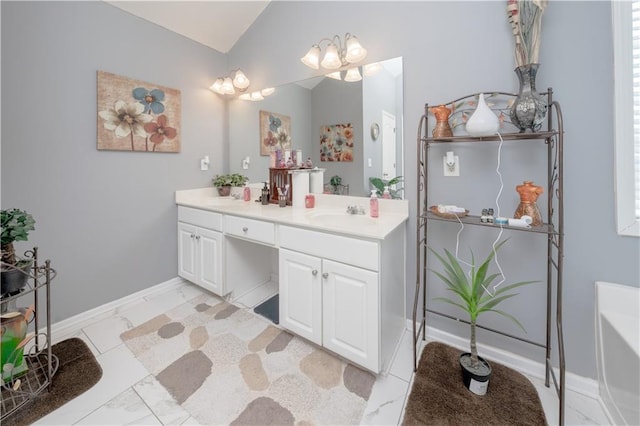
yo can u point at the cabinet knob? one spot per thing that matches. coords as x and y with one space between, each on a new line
325 275
245 229
198 237
314 272
193 235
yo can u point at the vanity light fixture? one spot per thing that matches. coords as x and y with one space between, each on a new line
336 54
353 75
371 69
258 95
228 85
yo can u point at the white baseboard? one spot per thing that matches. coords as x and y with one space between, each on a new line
75 323
526 366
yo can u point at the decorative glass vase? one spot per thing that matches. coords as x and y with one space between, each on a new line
529 108
483 121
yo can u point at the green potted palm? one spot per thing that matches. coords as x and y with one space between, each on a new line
225 182
16 225
381 184
474 299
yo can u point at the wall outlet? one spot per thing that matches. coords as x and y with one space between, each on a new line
451 170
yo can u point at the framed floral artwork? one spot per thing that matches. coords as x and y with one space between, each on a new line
275 132
135 115
336 142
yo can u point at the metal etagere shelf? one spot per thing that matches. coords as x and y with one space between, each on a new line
552 135
19 390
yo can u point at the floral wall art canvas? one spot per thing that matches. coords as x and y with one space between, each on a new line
275 132
135 115
336 142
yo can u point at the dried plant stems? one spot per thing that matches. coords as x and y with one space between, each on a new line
525 17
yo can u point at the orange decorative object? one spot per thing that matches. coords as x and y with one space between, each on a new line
529 193
442 129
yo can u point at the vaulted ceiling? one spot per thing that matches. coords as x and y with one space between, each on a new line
217 24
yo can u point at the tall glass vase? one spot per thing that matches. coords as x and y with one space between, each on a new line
529 108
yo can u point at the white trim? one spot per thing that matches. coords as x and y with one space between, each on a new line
624 168
526 366
75 323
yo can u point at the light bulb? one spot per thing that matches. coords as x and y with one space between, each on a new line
331 59
353 75
371 69
227 86
355 51
217 86
312 57
240 80
268 91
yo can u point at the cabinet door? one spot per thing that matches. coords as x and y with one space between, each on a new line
350 313
301 294
210 260
187 251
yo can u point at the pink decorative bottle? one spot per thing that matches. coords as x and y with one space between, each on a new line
373 204
246 194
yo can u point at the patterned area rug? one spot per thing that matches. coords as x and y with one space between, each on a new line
226 365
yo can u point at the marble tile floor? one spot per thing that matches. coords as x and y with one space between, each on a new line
128 394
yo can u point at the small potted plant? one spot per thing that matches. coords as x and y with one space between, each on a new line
474 299
16 225
225 182
380 184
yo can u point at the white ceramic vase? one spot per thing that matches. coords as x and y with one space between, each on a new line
483 121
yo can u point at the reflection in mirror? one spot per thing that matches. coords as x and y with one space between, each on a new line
318 109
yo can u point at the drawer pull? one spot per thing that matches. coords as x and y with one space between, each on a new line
325 275
245 229
314 272
198 237
193 235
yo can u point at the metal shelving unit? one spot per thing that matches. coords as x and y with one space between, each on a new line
552 135
42 364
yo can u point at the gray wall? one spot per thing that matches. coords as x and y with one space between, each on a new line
107 220
450 49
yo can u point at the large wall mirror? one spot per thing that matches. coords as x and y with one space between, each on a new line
372 106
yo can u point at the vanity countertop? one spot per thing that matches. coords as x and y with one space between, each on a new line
330 212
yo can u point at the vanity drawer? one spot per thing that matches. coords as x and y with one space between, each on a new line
202 218
353 251
256 230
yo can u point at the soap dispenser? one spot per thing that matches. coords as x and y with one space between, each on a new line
264 197
386 193
373 204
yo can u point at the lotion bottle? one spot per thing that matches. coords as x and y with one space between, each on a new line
373 204
385 193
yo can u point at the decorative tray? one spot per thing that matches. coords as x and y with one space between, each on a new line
434 210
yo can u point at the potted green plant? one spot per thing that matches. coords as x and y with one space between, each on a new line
225 182
380 184
474 299
16 225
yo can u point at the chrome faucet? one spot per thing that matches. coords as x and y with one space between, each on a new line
355 209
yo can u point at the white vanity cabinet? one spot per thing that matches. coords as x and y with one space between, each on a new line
329 302
200 248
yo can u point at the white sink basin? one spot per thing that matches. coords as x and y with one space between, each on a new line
339 218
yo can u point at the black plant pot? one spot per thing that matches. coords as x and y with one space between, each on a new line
475 379
15 278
